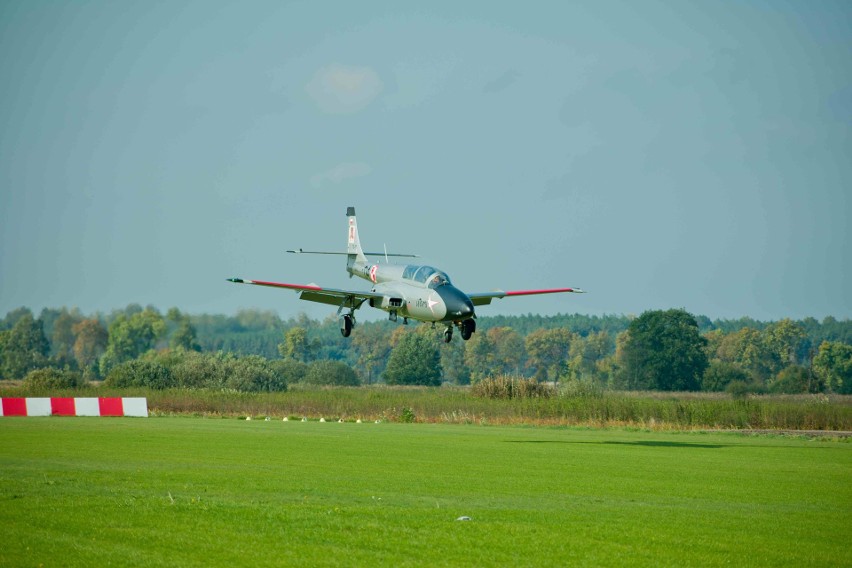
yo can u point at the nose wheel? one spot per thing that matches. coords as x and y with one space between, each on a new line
448 334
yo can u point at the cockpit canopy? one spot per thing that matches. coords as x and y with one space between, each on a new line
428 275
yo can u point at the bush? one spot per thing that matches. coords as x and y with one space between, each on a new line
720 374
290 370
90 374
506 386
193 370
140 373
795 379
254 373
331 373
739 389
50 378
577 388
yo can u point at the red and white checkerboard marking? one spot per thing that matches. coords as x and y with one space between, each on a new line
125 406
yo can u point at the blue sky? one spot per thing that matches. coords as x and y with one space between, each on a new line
657 154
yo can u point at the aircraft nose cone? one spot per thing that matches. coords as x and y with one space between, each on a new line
458 304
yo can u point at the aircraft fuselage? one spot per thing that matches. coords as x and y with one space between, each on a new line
414 291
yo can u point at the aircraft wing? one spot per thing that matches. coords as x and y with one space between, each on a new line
313 293
484 298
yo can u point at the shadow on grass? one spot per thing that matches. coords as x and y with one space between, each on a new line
656 444
650 443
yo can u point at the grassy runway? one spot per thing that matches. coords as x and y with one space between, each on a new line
215 492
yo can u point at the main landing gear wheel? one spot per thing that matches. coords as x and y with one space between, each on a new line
467 328
346 323
448 335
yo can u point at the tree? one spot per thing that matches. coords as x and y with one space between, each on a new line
606 370
414 360
455 370
748 349
13 316
297 345
62 337
628 365
90 342
174 315
372 344
787 340
184 337
259 320
48 317
548 351
130 337
4 338
714 341
588 354
509 350
24 348
833 365
664 350
479 357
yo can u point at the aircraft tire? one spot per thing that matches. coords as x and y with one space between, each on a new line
346 325
467 328
448 335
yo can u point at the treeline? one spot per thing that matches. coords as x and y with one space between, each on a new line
258 351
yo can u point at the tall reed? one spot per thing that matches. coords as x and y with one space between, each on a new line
458 404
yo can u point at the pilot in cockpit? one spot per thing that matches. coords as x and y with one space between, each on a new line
439 279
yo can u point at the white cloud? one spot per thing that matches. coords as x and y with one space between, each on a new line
341 172
338 89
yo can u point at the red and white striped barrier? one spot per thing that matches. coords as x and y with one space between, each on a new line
74 407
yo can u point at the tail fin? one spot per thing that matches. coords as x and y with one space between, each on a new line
355 255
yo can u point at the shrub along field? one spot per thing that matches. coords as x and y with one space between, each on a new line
201 492
535 406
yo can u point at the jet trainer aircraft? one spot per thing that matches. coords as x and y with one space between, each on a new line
410 291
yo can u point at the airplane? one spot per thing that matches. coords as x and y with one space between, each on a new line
410 291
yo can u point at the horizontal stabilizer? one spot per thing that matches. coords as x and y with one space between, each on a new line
300 251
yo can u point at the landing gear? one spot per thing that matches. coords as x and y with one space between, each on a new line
468 326
347 321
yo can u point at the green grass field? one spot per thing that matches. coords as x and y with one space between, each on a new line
224 492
